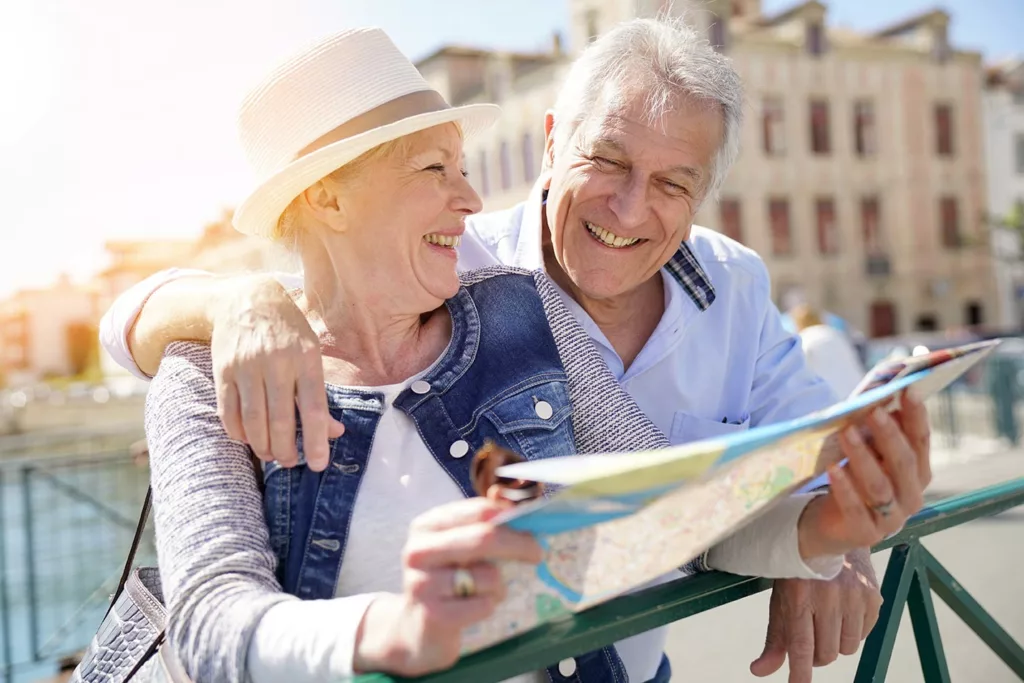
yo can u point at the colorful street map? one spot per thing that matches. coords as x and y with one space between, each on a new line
614 523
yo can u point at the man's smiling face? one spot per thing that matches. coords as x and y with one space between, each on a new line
624 190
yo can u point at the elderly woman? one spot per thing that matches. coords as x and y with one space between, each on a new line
377 559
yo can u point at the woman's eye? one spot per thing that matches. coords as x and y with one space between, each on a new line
436 167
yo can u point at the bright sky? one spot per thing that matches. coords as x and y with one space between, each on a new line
117 116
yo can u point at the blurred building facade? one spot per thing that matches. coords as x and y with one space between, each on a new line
861 179
1004 138
47 332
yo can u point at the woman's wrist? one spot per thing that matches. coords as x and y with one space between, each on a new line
378 645
812 540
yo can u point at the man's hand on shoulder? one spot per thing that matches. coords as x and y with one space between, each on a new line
813 622
266 359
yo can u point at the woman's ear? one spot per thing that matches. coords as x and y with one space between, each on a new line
321 199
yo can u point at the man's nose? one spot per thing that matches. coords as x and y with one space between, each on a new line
630 202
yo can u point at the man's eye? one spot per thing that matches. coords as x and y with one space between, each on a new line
603 161
676 189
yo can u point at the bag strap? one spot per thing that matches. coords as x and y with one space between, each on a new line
140 528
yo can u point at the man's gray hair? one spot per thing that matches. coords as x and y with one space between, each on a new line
670 60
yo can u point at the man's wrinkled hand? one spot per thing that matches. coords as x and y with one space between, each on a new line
266 359
812 622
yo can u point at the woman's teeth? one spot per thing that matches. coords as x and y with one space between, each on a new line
444 240
609 238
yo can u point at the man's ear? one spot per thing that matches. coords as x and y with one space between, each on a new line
549 139
322 202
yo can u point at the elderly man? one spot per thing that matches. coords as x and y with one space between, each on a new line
643 133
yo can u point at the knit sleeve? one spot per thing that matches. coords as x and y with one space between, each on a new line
604 417
213 546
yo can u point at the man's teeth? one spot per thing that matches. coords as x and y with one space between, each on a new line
444 240
609 238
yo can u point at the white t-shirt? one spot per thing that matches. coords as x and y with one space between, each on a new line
832 356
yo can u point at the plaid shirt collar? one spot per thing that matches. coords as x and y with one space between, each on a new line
683 266
688 272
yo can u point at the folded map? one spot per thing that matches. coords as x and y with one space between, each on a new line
615 522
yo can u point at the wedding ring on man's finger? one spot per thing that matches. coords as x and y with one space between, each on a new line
463 584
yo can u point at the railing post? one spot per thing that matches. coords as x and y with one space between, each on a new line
5 605
1002 380
30 561
926 628
874 662
949 410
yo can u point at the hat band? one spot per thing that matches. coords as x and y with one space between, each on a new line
402 107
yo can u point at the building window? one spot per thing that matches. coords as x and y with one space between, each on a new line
716 34
828 236
484 185
773 127
820 142
1020 153
529 167
944 129
505 168
731 220
950 222
883 319
941 51
815 38
591 22
864 128
870 226
927 322
778 218
974 314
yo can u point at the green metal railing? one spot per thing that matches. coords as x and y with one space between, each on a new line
912 574
65 524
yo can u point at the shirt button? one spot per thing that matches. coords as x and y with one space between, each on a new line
459 449
420 387
544 410
567 667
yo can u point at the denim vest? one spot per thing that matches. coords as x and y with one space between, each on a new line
501 362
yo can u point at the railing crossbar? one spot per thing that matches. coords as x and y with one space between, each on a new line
973 614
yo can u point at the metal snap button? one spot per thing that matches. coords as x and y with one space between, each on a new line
567 667
544 410
420 387
459 449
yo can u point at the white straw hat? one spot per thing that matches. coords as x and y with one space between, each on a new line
326 106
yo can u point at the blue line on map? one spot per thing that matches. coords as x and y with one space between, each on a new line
545 575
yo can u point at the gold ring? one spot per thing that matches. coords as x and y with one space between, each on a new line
463 584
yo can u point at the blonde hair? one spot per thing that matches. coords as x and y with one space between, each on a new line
286 231
804 316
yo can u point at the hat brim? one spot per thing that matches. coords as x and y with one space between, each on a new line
259 213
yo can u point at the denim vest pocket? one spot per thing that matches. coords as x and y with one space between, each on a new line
535 421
